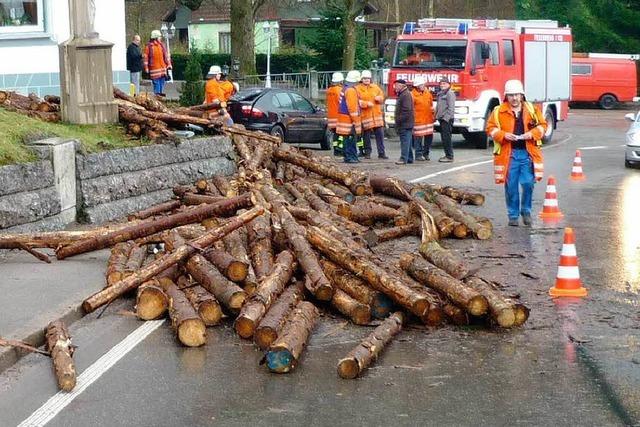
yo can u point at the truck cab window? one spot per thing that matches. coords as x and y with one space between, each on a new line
478 59
430 54
507 47
494 53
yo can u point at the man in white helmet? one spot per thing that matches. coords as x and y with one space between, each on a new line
214 92
371 100
349 125
333 101
157 62
517 128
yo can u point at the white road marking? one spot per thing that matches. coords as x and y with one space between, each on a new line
59 401
597 147
457 168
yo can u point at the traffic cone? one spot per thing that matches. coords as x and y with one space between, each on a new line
550 209
568 278
576 170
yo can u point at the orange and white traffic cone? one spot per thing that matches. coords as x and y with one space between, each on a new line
576 170
550 208
568 282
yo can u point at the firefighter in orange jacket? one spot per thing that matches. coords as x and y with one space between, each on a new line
349 125
423 124
333 101
371 99
213 91
517 128
157 62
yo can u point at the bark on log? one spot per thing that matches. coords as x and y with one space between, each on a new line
463 197
376 276
279 174
502 311
390 186
198 199
271 324
397 232
340 206
49 239
151 226
431 276
190 328
222 184
166 261
117 261
450 208
298 197
357 288
150 102
236 247
136 258
240 144
59 345
239 130
151 300
54 99
158 209
370 348
233 268
202 301
259 242
131 115
455 314
266 293
340 191
444 223
360 314
365 212
444 259
284 353
387 201
318 284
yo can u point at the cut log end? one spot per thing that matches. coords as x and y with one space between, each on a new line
280 360
264 337
506 318
361 315
434 317
152 303
192 332
237 300
324 292
245 327
348 368
237 271
483 233
210 313
521 314
478 305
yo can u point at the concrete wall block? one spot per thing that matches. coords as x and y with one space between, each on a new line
25 177
141 158
106 189
50 223
20 208
121 208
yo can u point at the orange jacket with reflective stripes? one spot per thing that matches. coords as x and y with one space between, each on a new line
348 111
423 112
213 91
227 89
501 121
156 60
333 101
371 99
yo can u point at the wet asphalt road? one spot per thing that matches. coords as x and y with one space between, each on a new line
573 363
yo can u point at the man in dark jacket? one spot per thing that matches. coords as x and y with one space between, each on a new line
445 107
404 118
134 62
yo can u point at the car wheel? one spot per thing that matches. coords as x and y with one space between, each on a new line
327 140
278 131
628 164
550 118
608 102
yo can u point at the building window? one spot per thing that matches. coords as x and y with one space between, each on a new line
17 16
224 42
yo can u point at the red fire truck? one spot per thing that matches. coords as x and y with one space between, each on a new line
478 57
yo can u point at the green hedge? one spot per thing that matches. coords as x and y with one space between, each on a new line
280 63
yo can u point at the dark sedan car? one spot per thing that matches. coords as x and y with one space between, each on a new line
280 112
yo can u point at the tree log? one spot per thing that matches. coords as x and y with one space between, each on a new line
59 345
240 144
365 212
444 259
444 224
151 226
318 283
299 199
450 208
376 276
340 191
358 289
165 261
387 201
54 99
234 269
156 210
340 206
202 301
198 199
189 327
284 353
460 231
259 242
150 102
279 174
136 258
502 311
397 232
431 276
455 314
151 299
117 261
390 186
360 314
463 197
271 324
222 184
236 247
370 348
265 294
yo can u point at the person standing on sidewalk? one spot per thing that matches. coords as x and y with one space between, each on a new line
349 125
423 127
371 99
517 128
157 62
445 107
134 62
333 101
404 120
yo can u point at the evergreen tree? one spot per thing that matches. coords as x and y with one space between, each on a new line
193 87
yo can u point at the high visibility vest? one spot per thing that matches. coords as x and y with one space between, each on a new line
227 89
156 60
213 91
423 112
348 111
502 121
333 99
371 107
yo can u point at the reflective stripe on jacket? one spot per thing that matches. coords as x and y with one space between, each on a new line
156 60
371 107
423 110
348 111
333 100
501 121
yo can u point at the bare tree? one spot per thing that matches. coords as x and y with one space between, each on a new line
243 19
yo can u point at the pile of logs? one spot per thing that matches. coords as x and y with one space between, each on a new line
288 237
47 109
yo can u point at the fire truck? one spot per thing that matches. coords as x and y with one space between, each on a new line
478 57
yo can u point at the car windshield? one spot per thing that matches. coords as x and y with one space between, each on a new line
247 94
431 54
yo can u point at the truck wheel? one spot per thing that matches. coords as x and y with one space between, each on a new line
608 102
550 118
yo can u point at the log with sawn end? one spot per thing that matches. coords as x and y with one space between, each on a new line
151 300
156 210
117 261
370 348
452 209
59 345
189 327
284 353
359 313
502 311
202 301
274 319
260 248
233 268
198 199
386 234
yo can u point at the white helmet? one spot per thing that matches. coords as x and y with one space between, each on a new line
353 76
366 74
512 87
337 77
214 69
418 80
156 34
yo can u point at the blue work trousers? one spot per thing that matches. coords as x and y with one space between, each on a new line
158 85
379 134
422 145
520 174
406 142
350 150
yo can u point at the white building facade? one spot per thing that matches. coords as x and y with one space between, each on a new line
30 32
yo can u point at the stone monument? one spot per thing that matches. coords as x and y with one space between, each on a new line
86 79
